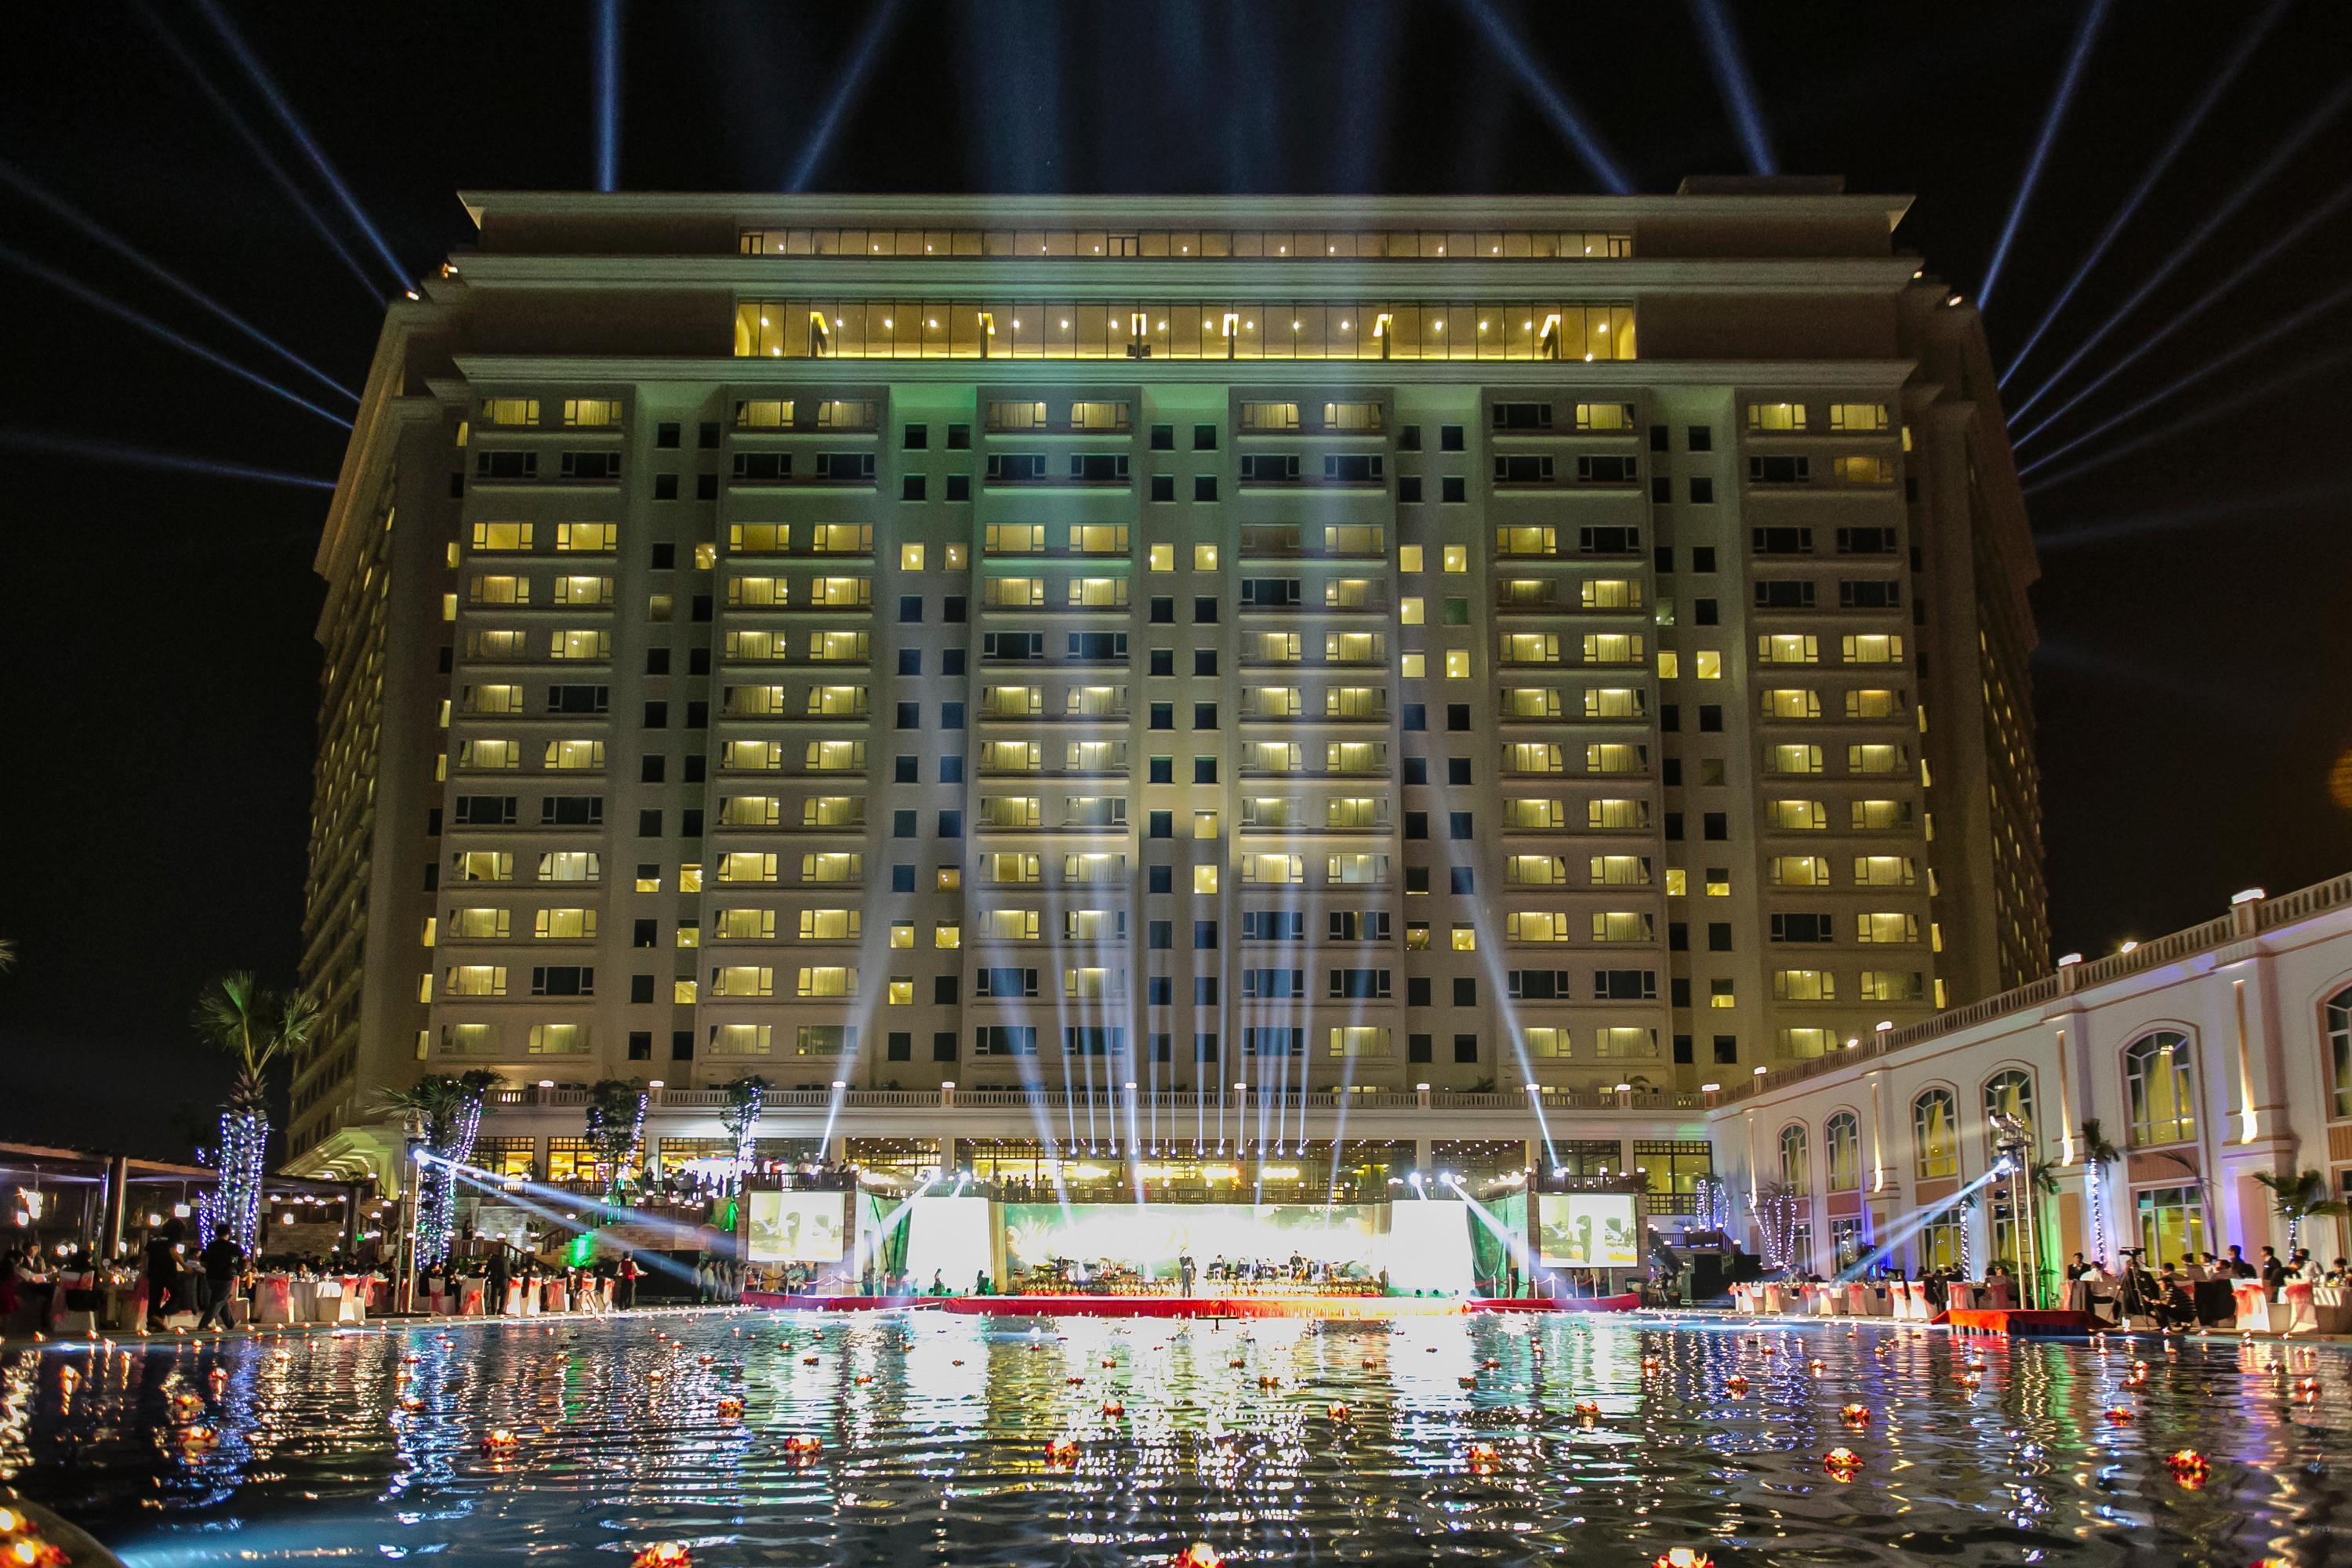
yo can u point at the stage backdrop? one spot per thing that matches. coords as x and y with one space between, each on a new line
1588 1230
796 1227
1424 1245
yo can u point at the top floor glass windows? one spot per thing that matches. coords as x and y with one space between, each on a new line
1210 244
1182 330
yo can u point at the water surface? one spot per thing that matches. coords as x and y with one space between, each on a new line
934 1431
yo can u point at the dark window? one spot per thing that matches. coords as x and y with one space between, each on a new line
1715 824
1163 487
910 487
1465 1047
1417 1048
1727 1050
1204 438
1163 438
1453 490
641 1045
1204 487
918 437
665 437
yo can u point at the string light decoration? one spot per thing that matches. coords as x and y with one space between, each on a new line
1711 1203
742 1120
1775 1209
616 1130
234 1205
448 1113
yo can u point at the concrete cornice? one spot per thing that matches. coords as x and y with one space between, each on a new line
752 210
517 369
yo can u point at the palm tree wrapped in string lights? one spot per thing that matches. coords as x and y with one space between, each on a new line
742 1120
2097 1156
450 1112
615 1128
254 1026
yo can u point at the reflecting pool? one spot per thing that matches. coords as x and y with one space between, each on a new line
1471 1439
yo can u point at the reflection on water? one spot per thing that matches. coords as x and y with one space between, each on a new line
933 1433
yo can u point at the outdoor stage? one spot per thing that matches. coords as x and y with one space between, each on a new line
1347 1307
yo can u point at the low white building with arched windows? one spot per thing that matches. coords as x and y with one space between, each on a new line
2199 1061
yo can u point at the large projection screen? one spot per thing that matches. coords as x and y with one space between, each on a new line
1588 1230
796 1227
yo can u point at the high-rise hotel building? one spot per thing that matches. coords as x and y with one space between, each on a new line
1186 643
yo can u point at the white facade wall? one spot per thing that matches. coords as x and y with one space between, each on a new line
2251 992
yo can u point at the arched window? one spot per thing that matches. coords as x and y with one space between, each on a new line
2156 1076
2009 1093
2339 1050
1935 1118
1795 1157
1841 1134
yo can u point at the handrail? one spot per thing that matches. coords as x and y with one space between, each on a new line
2258 913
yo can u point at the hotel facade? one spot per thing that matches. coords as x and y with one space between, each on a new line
1328 683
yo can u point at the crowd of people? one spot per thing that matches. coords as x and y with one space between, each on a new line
2201 1289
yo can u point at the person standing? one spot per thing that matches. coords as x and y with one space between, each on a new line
1184 1271
495 1303
163 1296
626 1290
223 1261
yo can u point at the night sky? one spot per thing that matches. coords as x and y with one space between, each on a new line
2192 687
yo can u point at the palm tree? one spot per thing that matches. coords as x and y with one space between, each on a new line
741 1119
254 1027
2097 1156
616 1125
449 1112
2297 1197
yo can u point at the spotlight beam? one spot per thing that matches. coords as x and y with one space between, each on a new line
33 191
1729 62
48 444
302 137
2084 36
879 28
2277 329
608 94
2206 414
99 302
2186 128
2196 308
1552 98
269 163
2100 529
2328 110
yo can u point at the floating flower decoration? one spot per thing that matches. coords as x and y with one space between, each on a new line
1236 1362
1468 1381
808 1361
729 1407
1200 1554
1653 1362
32 1551
1110 1361
499 1443
957 1362
1482 1457
1268 1380
1855 1414
1842 1462
664 1554
1816 1366
2188 1467
1061 1451
1490 1364
198 1437
2308 1387
864 1378
802 1446
2119 1414
1770 1350
1114 1405
186 1403
1970 1379
1336 1411
414 1402
1682 1557
1587 1411
1735 1384
1074 1380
